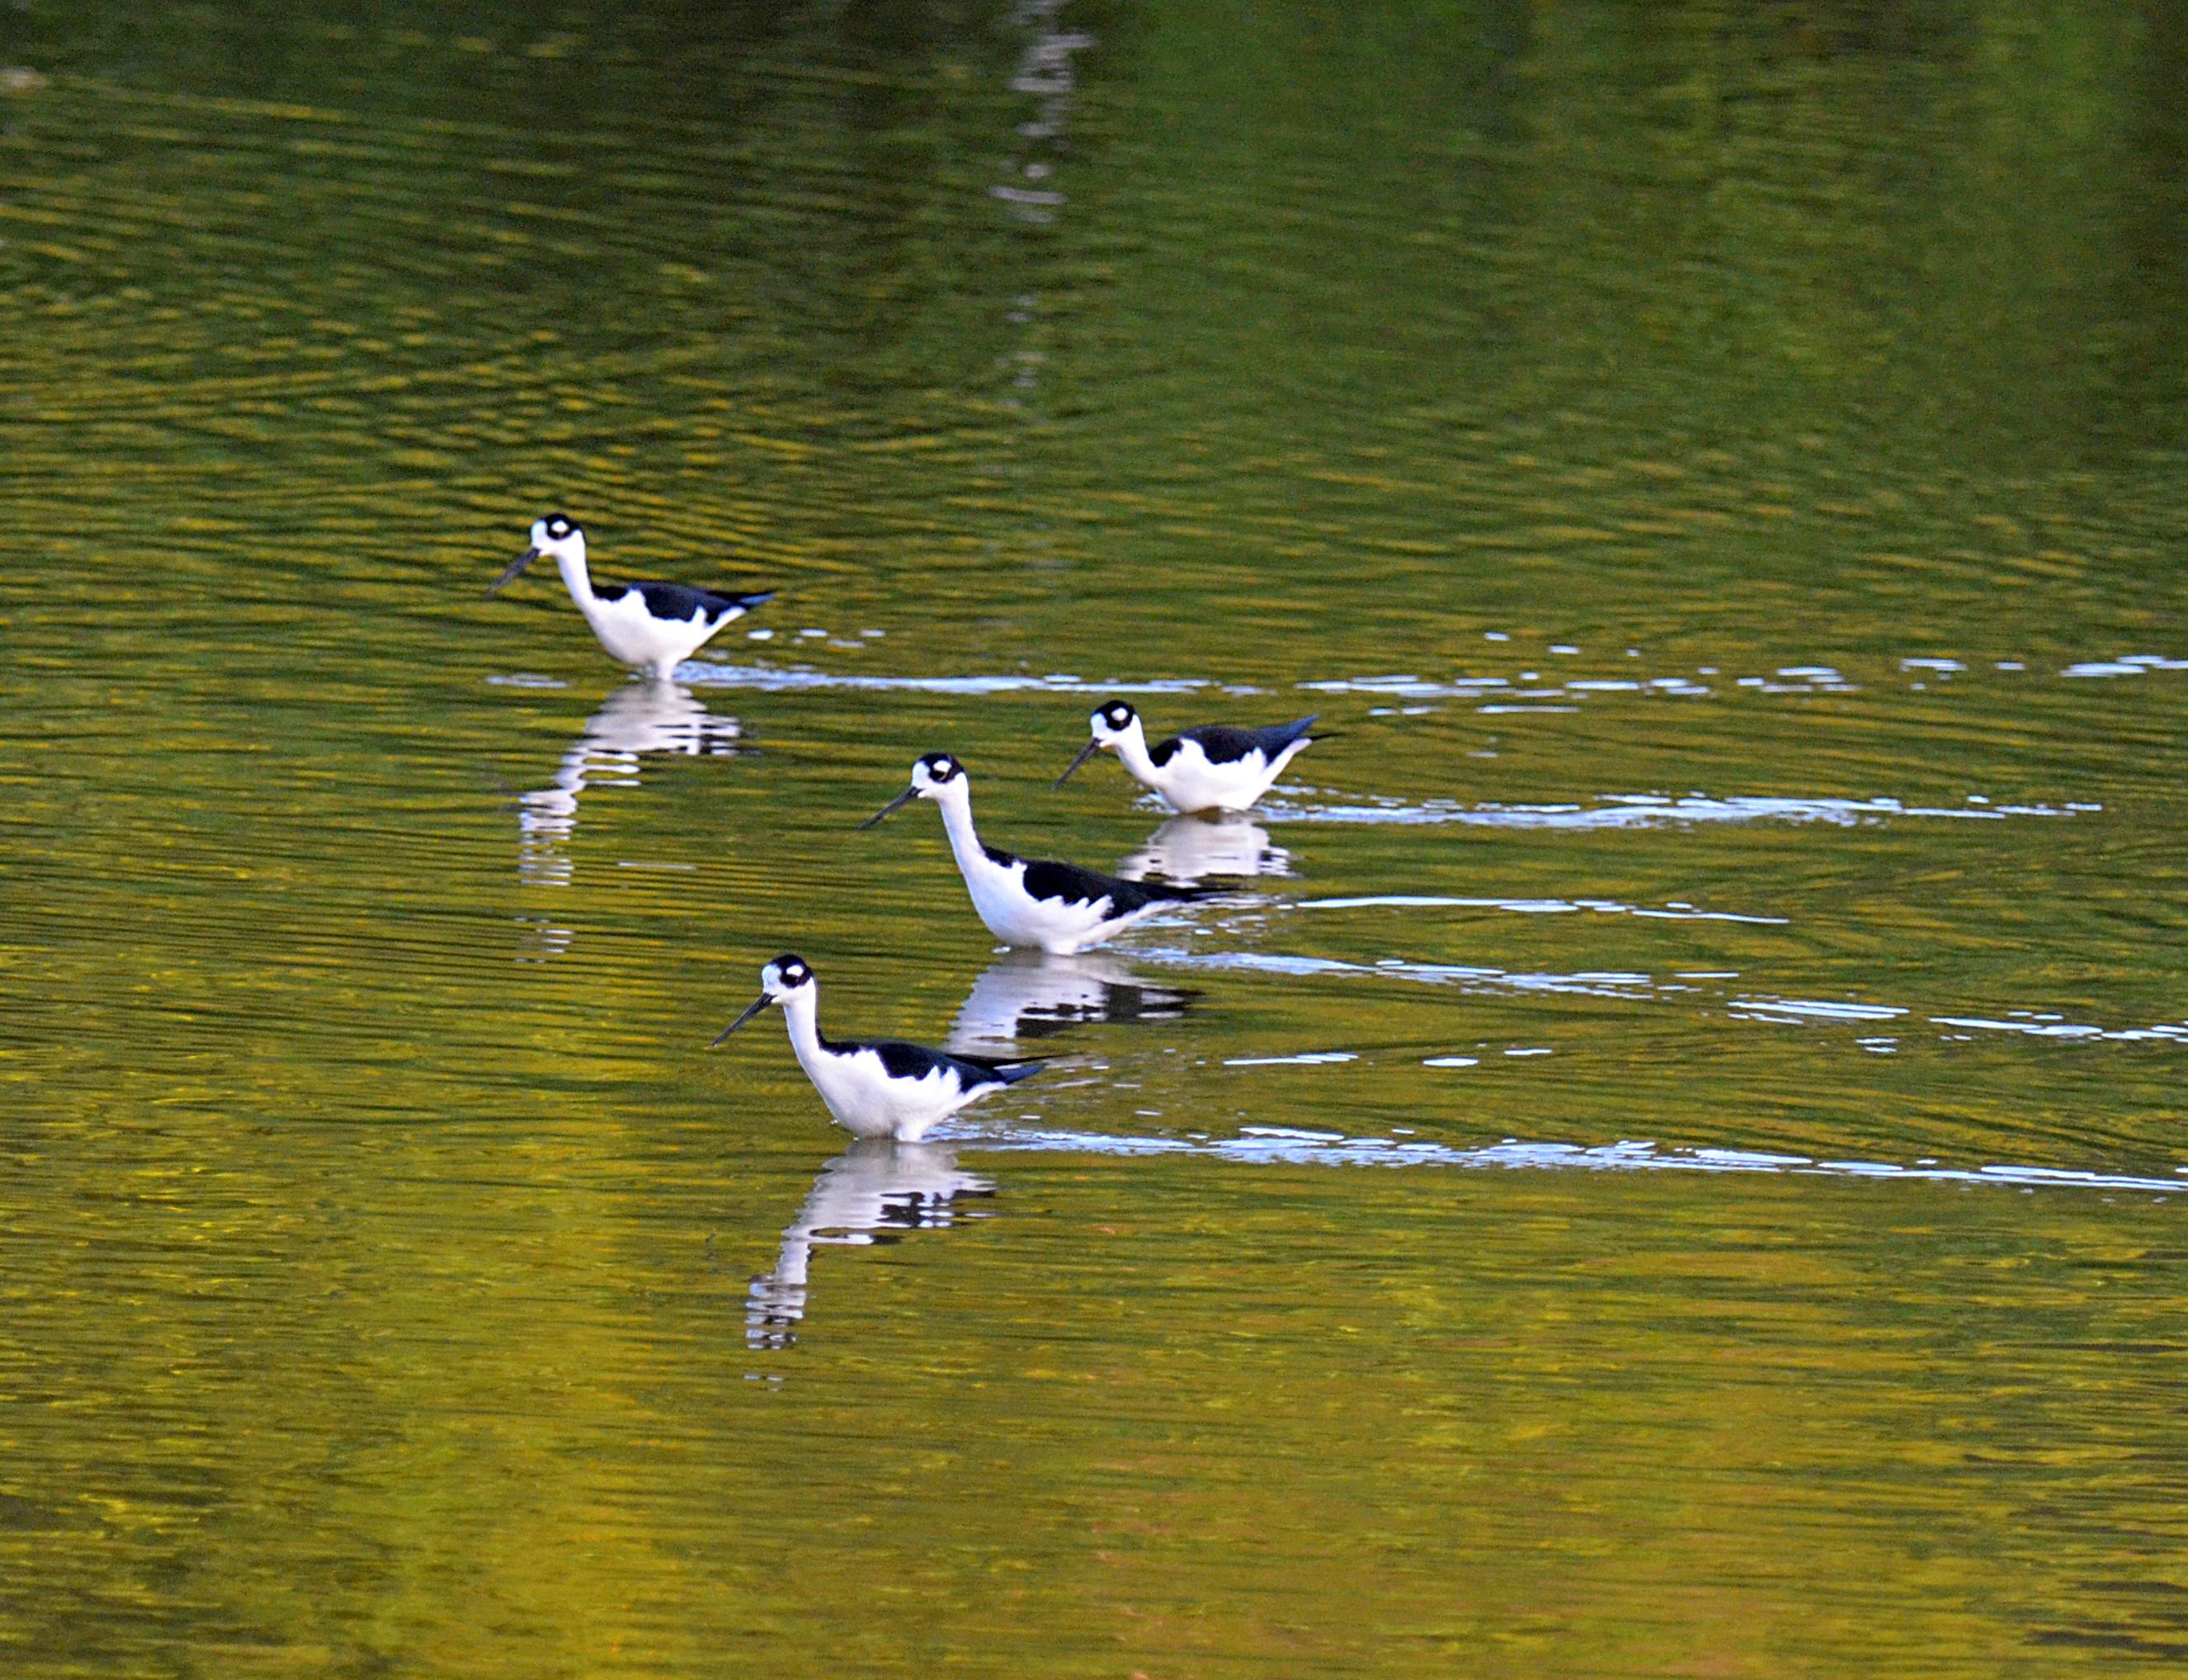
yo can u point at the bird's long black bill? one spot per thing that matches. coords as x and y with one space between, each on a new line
758 1004
1084 753
516 570
891 809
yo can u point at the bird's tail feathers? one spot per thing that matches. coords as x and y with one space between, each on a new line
1181 894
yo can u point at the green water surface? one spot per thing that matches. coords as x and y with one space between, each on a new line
1665 1164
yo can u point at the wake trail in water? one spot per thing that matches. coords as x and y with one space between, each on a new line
1289 1146
1627 984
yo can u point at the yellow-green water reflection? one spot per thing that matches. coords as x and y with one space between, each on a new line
1721 478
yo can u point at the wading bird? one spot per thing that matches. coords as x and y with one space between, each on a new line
1212 768
884 1089
658 626
1057 907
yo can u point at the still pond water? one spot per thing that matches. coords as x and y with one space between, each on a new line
1665 1164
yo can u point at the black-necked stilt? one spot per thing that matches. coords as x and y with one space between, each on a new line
1213 768
1057 907
884 1089
870 1193
658 626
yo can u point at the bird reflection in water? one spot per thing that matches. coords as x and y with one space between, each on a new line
874 1192
1032 994
636 719
1188 849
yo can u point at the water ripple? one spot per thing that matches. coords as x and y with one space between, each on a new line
1289 1146
1610 983
1672 912
771 679
2126 665
1646 810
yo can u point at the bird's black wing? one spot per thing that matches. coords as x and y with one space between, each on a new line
1010 1070
1223 745
904 1061
1076 886
680 601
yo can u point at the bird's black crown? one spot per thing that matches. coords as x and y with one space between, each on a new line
560 525
790 969
1117 715
941 767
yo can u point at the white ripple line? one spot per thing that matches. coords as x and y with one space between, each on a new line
1649 811
1265 1145
1533 907
1610 983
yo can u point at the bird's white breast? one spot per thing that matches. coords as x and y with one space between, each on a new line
1015 916
869 1103
630 634
1189 782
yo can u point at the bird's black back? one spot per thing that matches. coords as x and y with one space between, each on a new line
680 601
1076 886
901 1060
1009 1069
1224 745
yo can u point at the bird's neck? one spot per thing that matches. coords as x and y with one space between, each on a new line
575 577
1133 753
801 1014
964 842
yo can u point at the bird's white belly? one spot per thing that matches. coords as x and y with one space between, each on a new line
868 1103
1204 787
1190 783
1016 918
632 637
